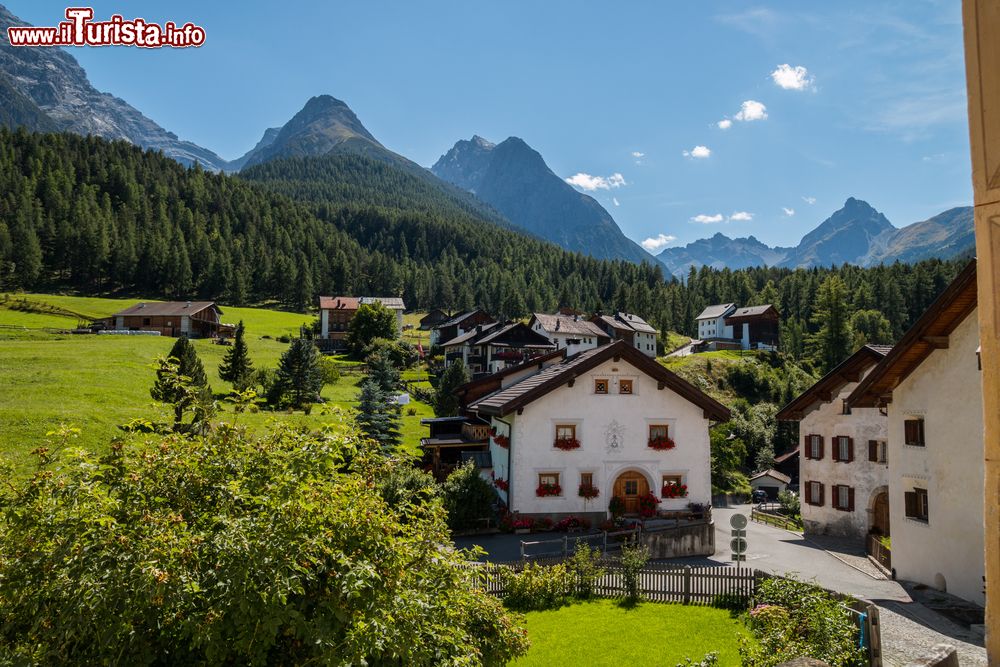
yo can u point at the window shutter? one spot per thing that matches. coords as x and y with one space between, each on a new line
850 450
920 432
820 501
873 450
820 453
850 498
809 495
807 446
910 498
835 448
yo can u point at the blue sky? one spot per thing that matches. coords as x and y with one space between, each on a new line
878 112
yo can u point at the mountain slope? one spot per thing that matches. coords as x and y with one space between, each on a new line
846 236
270 134
946 235
719 252
514 179
54 82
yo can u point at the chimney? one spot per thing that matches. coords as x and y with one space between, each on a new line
187 305
558 323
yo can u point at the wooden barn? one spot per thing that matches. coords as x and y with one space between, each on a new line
195 319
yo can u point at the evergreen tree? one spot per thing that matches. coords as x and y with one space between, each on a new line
832 342
188 363
378 415
871 326
236 367
299 378
383 372
445 396
181 390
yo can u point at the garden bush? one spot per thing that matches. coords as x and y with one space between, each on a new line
467 497
584 569
792 619
538 587
634 558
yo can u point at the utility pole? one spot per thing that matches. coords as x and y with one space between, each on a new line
982 63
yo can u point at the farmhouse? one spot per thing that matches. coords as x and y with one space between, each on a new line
630 328
569 433
572 332
930 385
489 348
724 326
195 319
336 312
459 324
432 319
843 468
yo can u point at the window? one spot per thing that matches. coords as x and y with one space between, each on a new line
548 479
565 431
600 386
658 431
814 446
843 449
877 451
624 386
913 432
843 498
587 480
145 321
916 504
631 487
814 493
845 408
672 479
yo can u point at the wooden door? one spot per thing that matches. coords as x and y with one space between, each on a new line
631 486
880 514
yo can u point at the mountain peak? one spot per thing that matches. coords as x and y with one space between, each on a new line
483 143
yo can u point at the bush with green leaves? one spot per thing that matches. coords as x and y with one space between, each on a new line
793 619
710 660
401 353
790 504
370 321
235 549
634 558
538 587
468 497
584 568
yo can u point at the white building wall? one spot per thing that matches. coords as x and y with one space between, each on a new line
324 323
866 477
714 328
587 341
595 415
645 343
946 551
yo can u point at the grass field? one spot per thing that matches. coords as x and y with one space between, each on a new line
606 633
96 383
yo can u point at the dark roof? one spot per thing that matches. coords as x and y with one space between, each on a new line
540 340
929 333
168 308
470 334
535 386
635 322
568 324
718 310
826 388
781 477
511 370
461 317
751 313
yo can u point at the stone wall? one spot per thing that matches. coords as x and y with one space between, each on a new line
681 542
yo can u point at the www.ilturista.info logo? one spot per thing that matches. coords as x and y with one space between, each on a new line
81 30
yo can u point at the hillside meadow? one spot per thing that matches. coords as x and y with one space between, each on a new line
95 383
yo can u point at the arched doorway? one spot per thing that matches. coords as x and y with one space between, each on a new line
630 486
880 513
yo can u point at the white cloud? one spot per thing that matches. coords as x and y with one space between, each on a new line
741 216
751 110
725 124
788 211
708 219
591 183
654 243
614 200
809 200
792 78
698 152
638 154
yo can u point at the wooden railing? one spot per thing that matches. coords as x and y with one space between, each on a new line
880 552
764 514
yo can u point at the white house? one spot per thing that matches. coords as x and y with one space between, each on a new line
931 386
570 332
843 467
490 348
630 328
712 322
771 482
610 420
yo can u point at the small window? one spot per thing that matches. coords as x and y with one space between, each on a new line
843 498
814 446
814 493
669 480
587 480
877 451
566 432
624 386
916 504
600 386
631 487
913 432
658 431
548 479
145 321
845 408
843 449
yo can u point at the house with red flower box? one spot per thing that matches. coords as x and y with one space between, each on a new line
571 432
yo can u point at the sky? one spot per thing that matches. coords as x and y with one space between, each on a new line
682 118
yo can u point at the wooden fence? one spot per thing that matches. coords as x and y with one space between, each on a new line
880 552
773 519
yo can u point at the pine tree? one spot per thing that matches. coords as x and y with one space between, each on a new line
445 397
236 367
382 371
834 339
181 380
188 363
300 376
378 416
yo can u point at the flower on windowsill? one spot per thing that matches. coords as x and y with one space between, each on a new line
548 490
501 484
502 441
661 442
647 505
589 491
674 491
566 443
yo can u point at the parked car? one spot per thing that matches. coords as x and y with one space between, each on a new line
759 496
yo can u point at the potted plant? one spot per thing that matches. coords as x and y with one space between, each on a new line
647 505
661 442
672 490
544 490
566 443
588 491
502 440
523 526
501 484
617 507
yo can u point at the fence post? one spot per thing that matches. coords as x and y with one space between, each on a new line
522 549
565 545
687 584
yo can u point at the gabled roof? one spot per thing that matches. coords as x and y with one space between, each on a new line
568 324
461 317
781 477
338 303
718 310
635 322
496 335
826 388
168 308
470 334
613 322
778 460
390 302
929 333
749 313
535 386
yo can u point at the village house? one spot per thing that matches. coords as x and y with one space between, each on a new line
570 332
460 324
194 319
771 482
336 313
569 433
630 328
433 319
931 386
492 347
724 326
843 467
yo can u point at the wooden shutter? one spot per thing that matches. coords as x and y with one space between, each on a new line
835 448
808 446
850 498
910 503
850 449
873 450
821 443
920 432
809 495
820 501
909 433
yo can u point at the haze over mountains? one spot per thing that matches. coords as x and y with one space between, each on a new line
46 90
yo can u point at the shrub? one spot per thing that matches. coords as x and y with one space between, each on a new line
400 353
467 497
584 569
794 618
790 504
616 506
571 522
647 505
538 587
634 558
710 660
329 370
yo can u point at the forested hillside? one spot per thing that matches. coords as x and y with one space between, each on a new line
98 217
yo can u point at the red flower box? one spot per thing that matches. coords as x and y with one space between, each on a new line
502 441
501 484
674 491
647 505
660 443
548 490
566 443
589 491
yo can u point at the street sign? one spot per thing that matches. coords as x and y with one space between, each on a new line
738 557
738 521
738 545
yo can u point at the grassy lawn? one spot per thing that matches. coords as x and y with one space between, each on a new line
675 340
605 633
96 383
